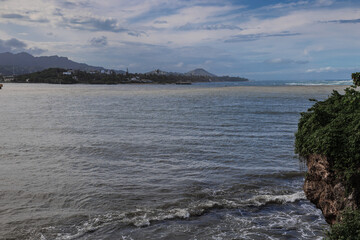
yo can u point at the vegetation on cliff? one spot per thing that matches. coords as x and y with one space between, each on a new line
332 128
348 228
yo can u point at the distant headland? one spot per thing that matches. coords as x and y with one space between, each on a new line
66 76
23 67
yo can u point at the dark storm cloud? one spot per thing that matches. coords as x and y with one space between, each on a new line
15 45
13 16
11 45
95 24
353 21
136 33
99 42
23 17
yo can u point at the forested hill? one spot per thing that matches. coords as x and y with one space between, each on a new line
64 76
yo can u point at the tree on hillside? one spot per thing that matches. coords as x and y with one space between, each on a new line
356 78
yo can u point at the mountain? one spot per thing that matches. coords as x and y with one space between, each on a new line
200 72
22 63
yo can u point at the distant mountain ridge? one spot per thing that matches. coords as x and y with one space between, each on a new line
22 63
25 63
200 72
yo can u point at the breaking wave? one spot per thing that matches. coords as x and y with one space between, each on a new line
145 217
321 83
279 199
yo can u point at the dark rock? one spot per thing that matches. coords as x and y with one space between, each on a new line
325 190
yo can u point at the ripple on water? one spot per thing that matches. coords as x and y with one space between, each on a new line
153 162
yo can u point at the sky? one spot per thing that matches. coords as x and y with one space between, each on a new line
257 39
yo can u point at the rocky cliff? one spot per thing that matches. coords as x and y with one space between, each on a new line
328 137
323 188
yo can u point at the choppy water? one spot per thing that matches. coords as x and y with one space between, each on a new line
153 162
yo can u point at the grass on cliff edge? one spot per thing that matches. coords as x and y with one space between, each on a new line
332 128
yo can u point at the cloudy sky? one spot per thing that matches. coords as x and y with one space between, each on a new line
258 39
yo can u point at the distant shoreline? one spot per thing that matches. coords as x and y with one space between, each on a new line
212 85
65 76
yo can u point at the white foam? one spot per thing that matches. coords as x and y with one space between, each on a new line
340 82
180 213
260 200
126 238
144 217
142 221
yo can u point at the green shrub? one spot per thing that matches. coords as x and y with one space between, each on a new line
356 78
347 229
332 128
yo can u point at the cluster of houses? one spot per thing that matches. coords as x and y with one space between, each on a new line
8 78
135 79
103 71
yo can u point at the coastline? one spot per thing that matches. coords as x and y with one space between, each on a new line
196 87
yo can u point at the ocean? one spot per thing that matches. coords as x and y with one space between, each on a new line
202 161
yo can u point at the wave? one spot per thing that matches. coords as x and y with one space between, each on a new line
145 217
261 200
321 83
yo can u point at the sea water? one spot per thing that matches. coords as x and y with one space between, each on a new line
202 161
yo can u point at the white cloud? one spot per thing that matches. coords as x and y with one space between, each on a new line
288 5
285 61
321 70
329 69
183 33
196 14
308 50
